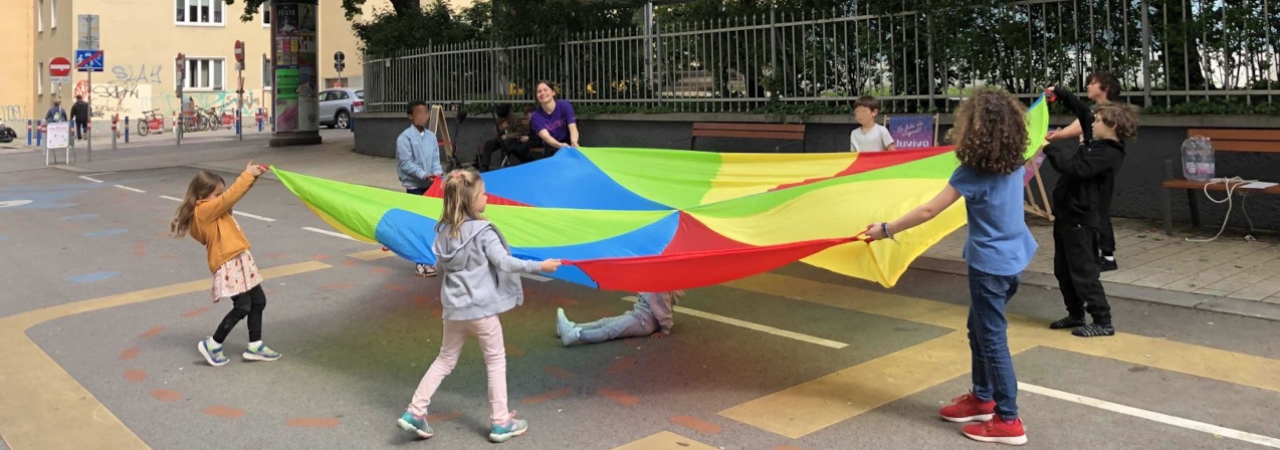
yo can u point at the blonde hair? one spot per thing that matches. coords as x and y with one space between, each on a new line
460 189
202 185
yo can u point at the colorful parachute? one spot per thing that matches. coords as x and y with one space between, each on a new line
655 220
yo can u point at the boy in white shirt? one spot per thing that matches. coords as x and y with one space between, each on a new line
870 137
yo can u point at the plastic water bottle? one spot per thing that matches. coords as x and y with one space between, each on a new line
1197 159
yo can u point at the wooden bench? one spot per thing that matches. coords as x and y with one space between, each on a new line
1224 141
748 131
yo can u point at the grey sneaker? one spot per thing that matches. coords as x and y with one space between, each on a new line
211 353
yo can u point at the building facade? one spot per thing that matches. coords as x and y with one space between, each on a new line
141 40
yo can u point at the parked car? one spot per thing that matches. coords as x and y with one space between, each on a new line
337 106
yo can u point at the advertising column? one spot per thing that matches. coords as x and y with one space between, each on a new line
296 107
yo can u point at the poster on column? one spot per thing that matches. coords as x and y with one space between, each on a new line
297 98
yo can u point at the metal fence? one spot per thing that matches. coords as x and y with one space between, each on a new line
1165 52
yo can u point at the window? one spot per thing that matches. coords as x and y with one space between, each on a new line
40 16
40 79
204 74
53 13
198 12
266 72
266 14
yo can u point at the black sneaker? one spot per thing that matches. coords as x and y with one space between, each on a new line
1094 330
1067 322
1108 264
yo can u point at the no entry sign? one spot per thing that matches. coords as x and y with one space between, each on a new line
60 70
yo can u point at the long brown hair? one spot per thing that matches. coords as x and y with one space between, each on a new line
991 132
460 189
202 185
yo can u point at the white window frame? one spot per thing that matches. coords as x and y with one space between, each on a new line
264 13
268 75
191 76
53 14
186 13
40 17
40 79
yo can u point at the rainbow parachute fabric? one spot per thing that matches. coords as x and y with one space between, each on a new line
657 220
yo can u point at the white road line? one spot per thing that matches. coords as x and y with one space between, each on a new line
535 277
88 178
176 199
317 230
127 188
267 219
754 326
1153 416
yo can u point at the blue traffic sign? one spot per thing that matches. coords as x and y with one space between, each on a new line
89 60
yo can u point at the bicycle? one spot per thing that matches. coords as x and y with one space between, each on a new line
150 120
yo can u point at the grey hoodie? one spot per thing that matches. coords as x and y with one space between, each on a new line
657 309
480 277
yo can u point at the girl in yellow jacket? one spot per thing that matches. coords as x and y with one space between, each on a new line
206 215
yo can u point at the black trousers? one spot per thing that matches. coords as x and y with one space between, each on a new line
513 147
81 129
1106 235
1075 264
251 304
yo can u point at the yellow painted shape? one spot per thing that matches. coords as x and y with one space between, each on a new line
816 404
793 221
372 255
666 440
44 407
743 174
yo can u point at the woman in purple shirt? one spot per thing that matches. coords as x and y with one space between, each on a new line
554 121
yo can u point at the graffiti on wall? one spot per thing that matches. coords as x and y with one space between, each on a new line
11 113
134 90
139 74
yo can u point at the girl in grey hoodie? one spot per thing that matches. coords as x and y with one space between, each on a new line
481 280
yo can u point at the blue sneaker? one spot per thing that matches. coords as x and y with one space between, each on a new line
212 352
513 428
408 422
260 352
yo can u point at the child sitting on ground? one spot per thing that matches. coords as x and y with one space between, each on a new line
652 315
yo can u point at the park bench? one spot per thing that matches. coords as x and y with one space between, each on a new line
1224 141
748 131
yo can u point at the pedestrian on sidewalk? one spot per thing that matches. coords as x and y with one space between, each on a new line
56 113
481 281
80 115
1104 89
991 137
1077 200
418 161
206 213
652 316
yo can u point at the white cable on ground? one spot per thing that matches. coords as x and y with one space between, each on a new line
1231 184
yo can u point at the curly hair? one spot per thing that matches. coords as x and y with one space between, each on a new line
990 132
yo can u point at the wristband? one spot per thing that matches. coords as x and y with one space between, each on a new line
884 228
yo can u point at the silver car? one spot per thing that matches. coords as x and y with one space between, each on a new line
337 106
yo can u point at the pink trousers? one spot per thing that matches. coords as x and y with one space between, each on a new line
489 331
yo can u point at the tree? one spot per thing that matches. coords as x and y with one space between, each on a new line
351 7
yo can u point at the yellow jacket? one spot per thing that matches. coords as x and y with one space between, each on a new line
214 227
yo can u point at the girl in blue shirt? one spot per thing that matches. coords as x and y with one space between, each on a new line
991 137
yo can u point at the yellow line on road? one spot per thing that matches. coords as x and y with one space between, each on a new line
819 403
372 255
666 440
44 407
755 326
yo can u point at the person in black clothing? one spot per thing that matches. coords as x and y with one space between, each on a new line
80 115
511 136
1077 202
1103 88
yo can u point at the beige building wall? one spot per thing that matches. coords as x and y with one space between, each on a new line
17 74
54 30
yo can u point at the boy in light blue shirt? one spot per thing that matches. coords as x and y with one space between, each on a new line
418 160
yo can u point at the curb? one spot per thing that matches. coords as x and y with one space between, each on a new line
1226 305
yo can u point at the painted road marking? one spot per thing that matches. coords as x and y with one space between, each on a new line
788 414
40 397
88 178
11 203
1153 416
754 326
176 199
666 440
127 188
331 233
372 255
251 216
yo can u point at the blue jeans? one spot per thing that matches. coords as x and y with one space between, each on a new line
619 327
992 365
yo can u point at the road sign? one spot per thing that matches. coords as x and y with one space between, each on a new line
339 57
60 70
88 31
339 65
89 60
240 51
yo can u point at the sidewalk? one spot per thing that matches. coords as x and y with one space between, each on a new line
1228 275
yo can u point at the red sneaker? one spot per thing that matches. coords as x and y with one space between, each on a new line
997 431
967 408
